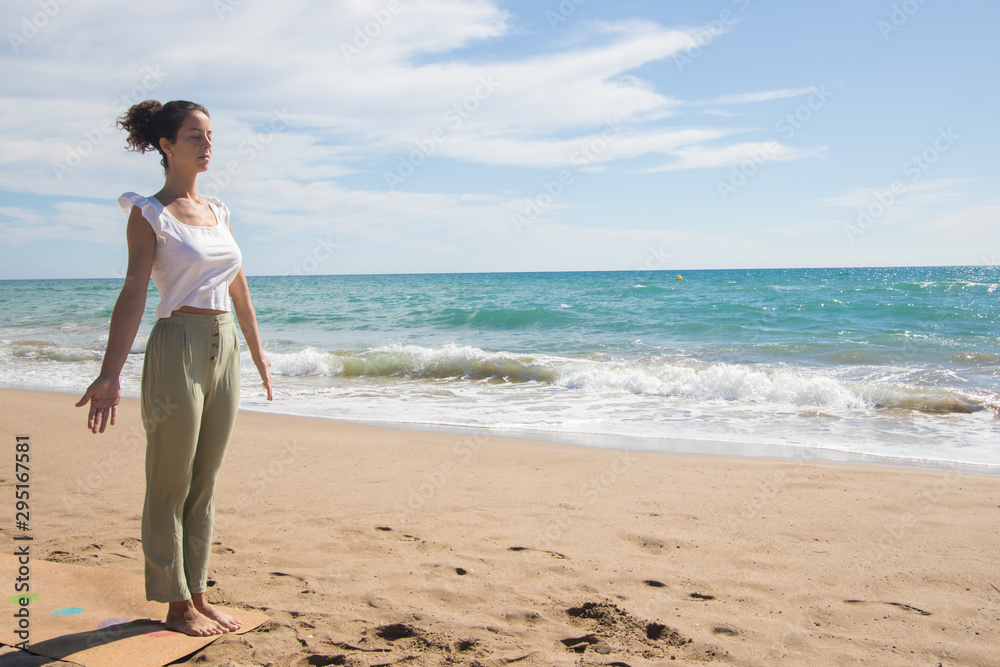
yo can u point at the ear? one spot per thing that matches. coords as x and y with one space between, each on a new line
165 145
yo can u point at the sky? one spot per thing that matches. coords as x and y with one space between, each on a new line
415 136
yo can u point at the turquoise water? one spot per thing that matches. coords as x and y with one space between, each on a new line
895 362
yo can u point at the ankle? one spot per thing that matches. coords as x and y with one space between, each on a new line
181 607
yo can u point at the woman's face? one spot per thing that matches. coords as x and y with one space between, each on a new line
193 147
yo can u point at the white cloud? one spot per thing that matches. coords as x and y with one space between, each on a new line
543 108
537 110
611 144
756 152
911 194
980 223
763 96
78 221
800 228
719 112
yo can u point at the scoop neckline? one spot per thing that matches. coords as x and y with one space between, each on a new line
172 217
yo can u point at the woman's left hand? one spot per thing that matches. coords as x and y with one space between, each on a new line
264 368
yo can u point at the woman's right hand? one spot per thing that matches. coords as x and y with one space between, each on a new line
103 395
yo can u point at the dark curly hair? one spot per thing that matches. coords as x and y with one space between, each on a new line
147 122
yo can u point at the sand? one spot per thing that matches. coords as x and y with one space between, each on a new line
374 546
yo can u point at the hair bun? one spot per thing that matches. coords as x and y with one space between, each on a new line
138 122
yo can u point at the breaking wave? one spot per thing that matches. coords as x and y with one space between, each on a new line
678 377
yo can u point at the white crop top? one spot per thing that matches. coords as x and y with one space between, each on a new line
192 266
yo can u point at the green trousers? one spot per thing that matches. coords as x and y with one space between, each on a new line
190 395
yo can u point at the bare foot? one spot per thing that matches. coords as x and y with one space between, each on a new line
229 623
183 617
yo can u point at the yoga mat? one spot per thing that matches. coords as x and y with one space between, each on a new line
95 617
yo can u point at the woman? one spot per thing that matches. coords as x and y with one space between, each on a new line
191 371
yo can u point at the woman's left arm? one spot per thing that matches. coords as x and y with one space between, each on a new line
240 292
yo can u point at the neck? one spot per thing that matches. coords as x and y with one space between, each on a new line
179 185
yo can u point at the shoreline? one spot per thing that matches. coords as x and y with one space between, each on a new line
369 545
672 446
635 443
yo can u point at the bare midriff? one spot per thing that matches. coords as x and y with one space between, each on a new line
200 311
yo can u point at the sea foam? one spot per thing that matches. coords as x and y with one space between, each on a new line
649 376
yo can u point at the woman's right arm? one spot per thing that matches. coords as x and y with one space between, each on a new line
105 392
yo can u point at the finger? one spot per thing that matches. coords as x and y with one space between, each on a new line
114 414
104 418
83 401
92 418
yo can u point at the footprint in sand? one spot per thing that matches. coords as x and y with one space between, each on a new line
395 631
387 529
285 574
321 660
132 544
904 607
556 554
609 622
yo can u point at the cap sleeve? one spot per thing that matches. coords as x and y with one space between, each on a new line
150 209
222 208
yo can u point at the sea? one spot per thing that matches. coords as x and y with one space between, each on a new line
893 365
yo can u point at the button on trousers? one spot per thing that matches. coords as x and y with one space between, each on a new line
190 396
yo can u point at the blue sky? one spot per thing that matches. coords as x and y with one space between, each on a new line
405 136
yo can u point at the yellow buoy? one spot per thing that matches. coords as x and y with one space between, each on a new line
680 277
